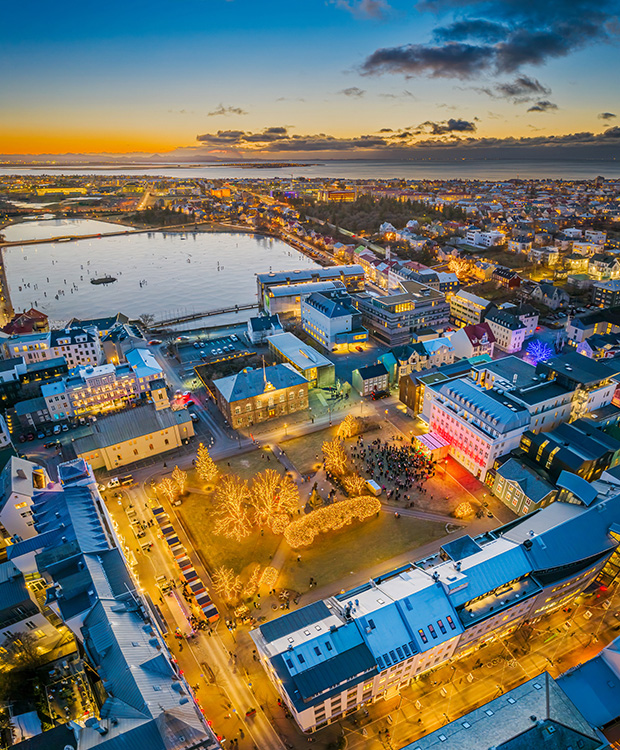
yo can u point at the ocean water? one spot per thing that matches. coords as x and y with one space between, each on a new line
464 169
157 273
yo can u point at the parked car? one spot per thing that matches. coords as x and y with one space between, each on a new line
154 342
40 435
30 436
65 427
114 482
56 429
21 438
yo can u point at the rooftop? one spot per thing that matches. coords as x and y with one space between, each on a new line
302 355
534 716
250 383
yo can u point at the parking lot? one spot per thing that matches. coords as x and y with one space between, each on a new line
195 350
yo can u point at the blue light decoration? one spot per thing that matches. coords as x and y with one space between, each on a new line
538 351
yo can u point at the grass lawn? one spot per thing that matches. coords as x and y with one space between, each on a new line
199 520
334 556
302 451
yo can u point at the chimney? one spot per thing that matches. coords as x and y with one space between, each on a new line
93 723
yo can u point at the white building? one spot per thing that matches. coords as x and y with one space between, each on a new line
102 388
330 658
331 319
466 308
473 341
19 481
479 424
508 330
79 346
484 239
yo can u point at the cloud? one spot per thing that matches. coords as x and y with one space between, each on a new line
522 89
453 60
449 138
378 10
543 105
404 94
471 28
446 126
353 91
606 116
225 111
498 36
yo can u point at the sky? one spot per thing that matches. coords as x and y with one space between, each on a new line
388 79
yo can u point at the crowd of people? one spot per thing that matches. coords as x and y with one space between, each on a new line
400 465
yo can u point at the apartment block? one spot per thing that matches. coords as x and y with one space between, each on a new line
330 658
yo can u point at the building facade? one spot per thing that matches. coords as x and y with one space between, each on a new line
331 319
254 396
467 308
395 318
332 657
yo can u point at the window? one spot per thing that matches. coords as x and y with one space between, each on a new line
432 631
301 658
151 446
451 623
422 636
442 627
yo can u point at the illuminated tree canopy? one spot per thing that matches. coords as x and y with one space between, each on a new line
349 427
180 478
205 465
538 351
233 501
168 488
302 531
335 457
227 584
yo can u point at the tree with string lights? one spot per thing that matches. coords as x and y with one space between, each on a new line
335 457
226 583
205 465
354 485
180 478
232 504
251 587
168 488
275 498
349 427
302 531
538 351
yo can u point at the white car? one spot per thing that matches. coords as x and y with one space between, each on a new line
114 482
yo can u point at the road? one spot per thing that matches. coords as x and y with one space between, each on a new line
223 688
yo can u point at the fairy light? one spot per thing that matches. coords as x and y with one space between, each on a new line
251 587
205 465
303 531
180 478
226 583
348 427
463 509
335 457
275 498
168 488
354 485
233 500
269 577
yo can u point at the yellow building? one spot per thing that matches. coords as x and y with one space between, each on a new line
133 435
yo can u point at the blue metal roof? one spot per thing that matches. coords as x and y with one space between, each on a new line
578 486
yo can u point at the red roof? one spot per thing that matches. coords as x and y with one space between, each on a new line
475 333
27 322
